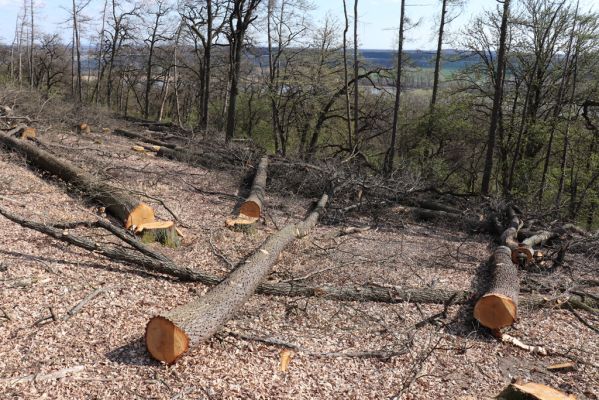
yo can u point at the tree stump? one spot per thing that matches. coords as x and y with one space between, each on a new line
163 232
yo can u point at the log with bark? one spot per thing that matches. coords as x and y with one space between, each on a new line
170 334
498 307
149 260
117 202
203 155
251 208
143 138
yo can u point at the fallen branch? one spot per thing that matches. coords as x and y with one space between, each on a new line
505 338
148 259
83 302
380 354
43 377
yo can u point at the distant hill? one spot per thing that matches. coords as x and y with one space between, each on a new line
451 59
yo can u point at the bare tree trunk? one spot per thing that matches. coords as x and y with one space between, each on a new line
164 94
31 66
271 80
390 156
170 334
564 155
497 99
356 72
345 78
100 54
76 45
429 131
207 67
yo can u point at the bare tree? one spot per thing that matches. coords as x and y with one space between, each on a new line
31 47
437 71
345 78
121 30
497 97
77 9
390 155
241 16
356 71
156 34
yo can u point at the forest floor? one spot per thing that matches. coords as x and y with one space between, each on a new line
446 358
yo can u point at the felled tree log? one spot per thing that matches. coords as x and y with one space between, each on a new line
197 156
251 209
117 202
170 334
150 260
498 307
143 138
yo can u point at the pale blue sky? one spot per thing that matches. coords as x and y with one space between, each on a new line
378 19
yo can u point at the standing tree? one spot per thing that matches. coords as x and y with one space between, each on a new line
77 9
390 155
157 33
437 72
240 18
345 78
497 99
356 71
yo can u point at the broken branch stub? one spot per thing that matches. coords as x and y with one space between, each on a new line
170 334
498 307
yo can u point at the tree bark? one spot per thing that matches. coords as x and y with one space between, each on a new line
118 202
169 335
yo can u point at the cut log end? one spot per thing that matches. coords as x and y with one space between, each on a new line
250 209
532 391
495 311
27 133
163 232
83 128
522 255
165 340
141 214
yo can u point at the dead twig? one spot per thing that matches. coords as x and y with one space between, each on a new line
219 254
43 377
85 300
380 354
581 319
